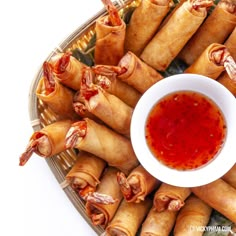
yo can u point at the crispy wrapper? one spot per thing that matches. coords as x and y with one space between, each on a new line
85 173
120 89
215 29
108 108
158 223
205 64
137 185
144 23
220 196
172 37
229 83
103 142
101 213
137 73
194 214
68 70
109 46
224 78
230 176
170 197
48 141
60 100
128 218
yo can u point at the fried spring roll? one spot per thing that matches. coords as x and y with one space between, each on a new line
68 70
172 37
48 141
137 185
144 23
107 107
215 29
158 223
212 62
115 86
230 176
169 197
128 218
194 214
102 204
58 97
228 81
103 142
220 196
85 174
110 37
133 71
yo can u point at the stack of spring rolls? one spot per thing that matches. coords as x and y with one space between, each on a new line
93 106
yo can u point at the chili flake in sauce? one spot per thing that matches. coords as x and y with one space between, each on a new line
185 130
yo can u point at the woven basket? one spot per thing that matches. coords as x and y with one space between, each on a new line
41 115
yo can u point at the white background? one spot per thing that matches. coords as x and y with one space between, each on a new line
31 200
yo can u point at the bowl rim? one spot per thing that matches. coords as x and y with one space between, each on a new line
217 167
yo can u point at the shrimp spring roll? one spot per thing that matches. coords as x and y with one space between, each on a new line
85 174
144 23
101 205
169 197
81 109
215 29
128 218
115 86
195 213
107 107
230 176
68 70
48 141
103 142
137 185
213 61
158 223
227 79
110 36
220 196
172 37
58 97
133 71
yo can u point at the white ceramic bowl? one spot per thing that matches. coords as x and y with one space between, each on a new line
205 174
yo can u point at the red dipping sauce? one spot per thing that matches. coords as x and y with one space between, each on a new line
185 130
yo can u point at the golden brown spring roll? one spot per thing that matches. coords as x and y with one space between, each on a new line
81 109
101 205
194 214
172 37
230 176
132 71
158 223
215 29
58 97
169 197
144 23
137 185
211 62
68 70
115 86
107 107
48 141
85 174
228 81
110 36
128 218
220 196
103 142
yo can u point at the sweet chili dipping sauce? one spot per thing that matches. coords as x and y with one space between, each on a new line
185 130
